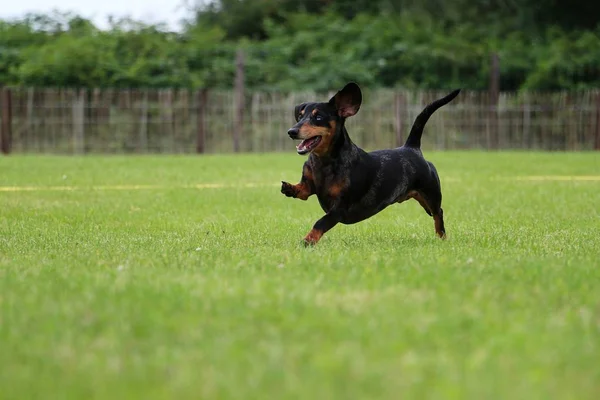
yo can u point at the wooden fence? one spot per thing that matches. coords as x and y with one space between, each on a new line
184 121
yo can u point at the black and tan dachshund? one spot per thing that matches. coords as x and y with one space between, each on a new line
351 184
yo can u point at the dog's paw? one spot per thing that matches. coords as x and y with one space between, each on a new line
306 242
288 189
312 237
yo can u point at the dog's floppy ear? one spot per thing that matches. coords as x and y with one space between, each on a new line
347 101
297 111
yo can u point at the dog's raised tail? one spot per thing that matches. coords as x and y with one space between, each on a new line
414 138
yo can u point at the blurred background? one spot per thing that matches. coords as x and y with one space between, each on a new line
224 75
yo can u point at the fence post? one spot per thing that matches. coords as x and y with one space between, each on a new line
30 106
78 122
143 134
399 106
5 128
494 94
201 96
597 141
526 139
239 99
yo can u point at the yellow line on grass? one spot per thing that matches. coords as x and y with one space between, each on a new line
560 178
131 187
34 188
201 186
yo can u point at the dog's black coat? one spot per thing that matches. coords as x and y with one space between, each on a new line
351 184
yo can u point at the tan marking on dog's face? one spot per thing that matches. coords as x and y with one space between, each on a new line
324 146
307 131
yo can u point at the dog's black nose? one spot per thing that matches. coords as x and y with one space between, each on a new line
293 133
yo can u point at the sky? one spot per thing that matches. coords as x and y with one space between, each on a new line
150 11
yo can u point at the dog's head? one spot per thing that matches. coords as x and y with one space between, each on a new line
317 124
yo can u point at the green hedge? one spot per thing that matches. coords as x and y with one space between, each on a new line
303 51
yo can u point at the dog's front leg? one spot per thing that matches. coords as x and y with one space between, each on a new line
302 190
327 222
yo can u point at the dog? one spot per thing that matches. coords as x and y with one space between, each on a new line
350 183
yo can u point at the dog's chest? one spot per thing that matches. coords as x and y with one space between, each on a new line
332 180
329 189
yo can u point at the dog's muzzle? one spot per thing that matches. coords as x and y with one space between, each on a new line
294 132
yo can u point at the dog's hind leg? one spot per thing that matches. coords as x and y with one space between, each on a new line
438 219
418 197
431 200
433 196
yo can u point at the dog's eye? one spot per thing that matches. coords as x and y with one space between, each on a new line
318 117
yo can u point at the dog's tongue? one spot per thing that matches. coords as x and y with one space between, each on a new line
305 143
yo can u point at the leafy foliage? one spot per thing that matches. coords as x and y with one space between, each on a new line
316 45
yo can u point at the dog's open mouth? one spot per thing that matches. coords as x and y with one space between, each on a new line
308 145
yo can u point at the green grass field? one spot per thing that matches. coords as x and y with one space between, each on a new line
183 277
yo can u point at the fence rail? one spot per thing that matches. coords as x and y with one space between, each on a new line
205 121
